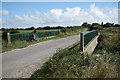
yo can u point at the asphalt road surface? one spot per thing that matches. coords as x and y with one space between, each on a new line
21 63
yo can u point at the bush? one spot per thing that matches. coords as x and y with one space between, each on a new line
85 24
71 29
97 27
4 34
108 25
63 30
67 30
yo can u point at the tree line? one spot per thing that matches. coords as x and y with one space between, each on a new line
85 24
33 28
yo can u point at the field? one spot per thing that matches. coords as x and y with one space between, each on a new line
22 31
22 44
103 63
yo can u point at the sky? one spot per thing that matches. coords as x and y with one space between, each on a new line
38 14
60 0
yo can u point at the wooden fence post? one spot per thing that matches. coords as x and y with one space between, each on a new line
82 41
8 37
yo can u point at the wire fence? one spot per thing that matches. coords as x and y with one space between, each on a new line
40 34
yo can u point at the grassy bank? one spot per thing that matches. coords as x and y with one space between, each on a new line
22 44
103 63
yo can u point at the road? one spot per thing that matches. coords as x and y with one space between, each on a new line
21 63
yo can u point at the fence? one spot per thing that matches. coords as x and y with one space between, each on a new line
87 38
25 36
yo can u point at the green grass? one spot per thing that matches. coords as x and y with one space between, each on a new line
103 63
22 44
111 30
22 31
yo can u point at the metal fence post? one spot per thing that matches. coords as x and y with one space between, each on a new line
82 41
8 37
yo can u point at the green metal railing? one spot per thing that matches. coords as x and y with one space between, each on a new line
40 34
89 36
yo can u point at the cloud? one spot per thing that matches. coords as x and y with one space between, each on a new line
73 11
4 12
18 17
97 12
37 13
57 12
105 15
72 16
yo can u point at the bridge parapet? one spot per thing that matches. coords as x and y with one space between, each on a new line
89 41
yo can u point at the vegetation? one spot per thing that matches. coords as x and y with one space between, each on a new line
68 30
4 34
95 26
99 26
32 28
86 25
108 25
103 63
92 26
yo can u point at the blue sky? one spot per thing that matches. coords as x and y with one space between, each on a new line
36 10
21 7
60 0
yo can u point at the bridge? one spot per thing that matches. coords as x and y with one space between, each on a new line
23 62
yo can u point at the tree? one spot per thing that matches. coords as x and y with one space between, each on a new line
31 28
108 25
2 29
85 24
89 26
59 27
117 25
96 26
39 28
4 34
46 28
101 23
